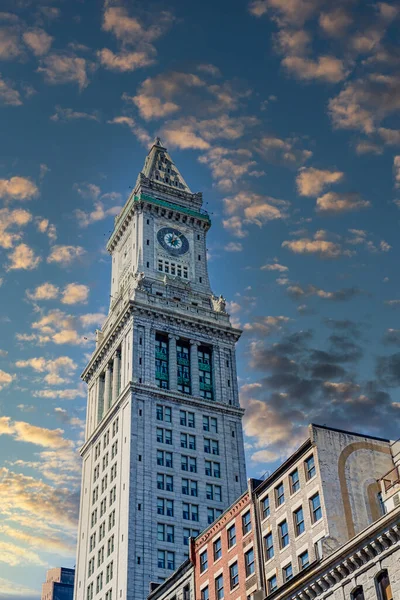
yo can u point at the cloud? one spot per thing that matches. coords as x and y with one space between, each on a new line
9 221
396 171
274 267
39 436
14 555
335 203
311 181
325 68
28 499
209 69
292 12
23 257
155 97
65 255
335 22
130 33
75 293
5 379
368 147
68 114
365 102
281 151
10 43
138 131
98 214
299 292
266 325
38 41
249 208
66 394
61 328
124 61
388 370
392 337
58 371
44 226
360 237
11 589
8 94
319 246
64 68
228 166
18 188
233 247
45 291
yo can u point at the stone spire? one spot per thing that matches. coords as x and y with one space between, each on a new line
160 167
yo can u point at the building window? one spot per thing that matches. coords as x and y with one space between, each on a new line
203 561
189 487
161 360
187 533
165 533
187 419
234 575
283 534
164 413
219 587
298 517
246 523
249 562
266 511
217 548
183 365
279 494
231 536
211 446
309 464
287 573
272 584
188 441
304 560
205 372
190 512
357 594
384 587
212 514
294 482
212 469
315 507
210 424
381 504
269 546
204 595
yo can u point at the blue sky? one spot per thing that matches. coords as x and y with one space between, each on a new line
285 114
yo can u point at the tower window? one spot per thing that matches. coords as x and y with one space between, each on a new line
200 280
148 242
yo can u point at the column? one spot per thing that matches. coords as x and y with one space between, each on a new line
107 388
172 364
116 376
219 390
100 398
194 368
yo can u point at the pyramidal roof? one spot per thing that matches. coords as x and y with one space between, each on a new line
160 167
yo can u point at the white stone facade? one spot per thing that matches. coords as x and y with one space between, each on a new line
365 568
330 493
164 445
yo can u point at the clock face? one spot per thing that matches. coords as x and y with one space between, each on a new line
173 241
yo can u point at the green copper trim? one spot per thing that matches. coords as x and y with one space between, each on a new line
136 199
187 211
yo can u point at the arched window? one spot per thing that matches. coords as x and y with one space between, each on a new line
383 585
358 593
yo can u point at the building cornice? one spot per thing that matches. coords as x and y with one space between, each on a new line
134 308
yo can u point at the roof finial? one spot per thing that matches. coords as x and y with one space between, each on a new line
157 142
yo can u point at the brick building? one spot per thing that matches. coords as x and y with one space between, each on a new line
223 555
320 517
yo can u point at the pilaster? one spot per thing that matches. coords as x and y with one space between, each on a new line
172 364
116 377
194 367
107 387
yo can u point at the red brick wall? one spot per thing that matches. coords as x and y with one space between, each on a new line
206 540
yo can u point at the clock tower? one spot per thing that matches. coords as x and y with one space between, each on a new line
163 454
